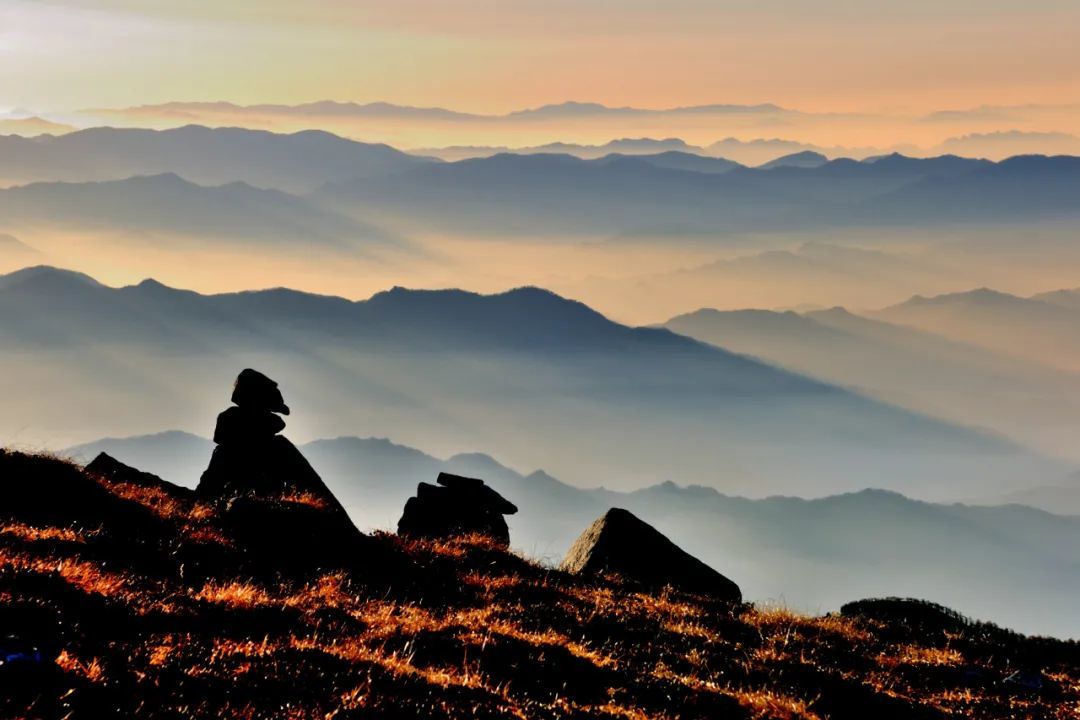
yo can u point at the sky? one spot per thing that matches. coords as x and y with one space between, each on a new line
493 56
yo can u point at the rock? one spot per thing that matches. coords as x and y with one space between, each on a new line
290 535
457 506
240 425
622 544
251 458
273 467
255 391
921 615
109 467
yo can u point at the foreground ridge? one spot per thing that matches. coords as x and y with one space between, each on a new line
140 602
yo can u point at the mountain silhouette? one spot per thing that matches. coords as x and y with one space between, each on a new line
675 160
1065 298
553 193
610 403
1041 332
914 368
1018 188
169 204
297 163
803 159
1004 144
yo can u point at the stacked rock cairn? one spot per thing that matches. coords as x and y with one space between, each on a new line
251 457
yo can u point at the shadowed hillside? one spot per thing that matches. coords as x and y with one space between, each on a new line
132 599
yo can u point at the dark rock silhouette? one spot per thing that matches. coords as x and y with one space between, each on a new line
269 498
244 425
251 458
109 467
921 615
255 391
622 544
456 506
63 495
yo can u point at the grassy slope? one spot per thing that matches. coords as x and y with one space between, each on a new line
158 612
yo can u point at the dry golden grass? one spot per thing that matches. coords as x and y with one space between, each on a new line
177 624
30 533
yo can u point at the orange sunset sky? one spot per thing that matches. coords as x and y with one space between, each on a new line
878 59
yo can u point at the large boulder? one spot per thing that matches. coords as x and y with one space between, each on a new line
622 544
106 466
456 506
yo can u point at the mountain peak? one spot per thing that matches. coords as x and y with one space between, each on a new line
978 296
47 275
802 159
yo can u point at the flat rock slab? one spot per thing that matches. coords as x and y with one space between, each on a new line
622 544
456 506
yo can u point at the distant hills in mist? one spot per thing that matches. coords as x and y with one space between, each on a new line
561 194
1044 329
297 163
327 108
222 181
546 381
170 205
813 554
972 372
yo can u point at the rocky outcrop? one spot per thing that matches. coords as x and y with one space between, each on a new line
106 466
456 506
620 543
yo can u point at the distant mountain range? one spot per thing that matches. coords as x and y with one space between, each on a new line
804 159
914 368
815 273
540 379
1003 144
811 554
548 194
32 126
1044 330
1065 298
296 163
329 108
170 205
631 187
15 254
745 152
625 146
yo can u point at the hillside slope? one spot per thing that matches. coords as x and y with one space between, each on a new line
815 554
130 599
